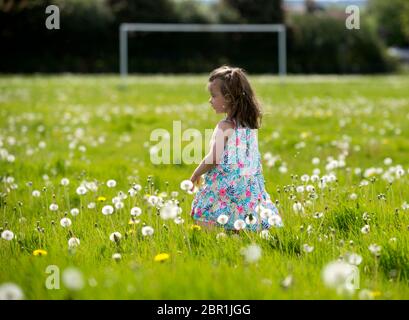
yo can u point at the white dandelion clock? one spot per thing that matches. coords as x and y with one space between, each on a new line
251 253
365 229
81 190
310 188
137 187
111 183
387 161
115 236
153 200
64 182
7 235
305 178
318 215
53 207
341 276
116 256
287 282
354 259
116 200
315 178
275 220
65 222
91 205
35 193
298 208
186 185
136 211
73 242
266 213
307 248
132 192
147 231
239 224
119 205
250 219
169 211
10 291
107 210
75 212
375 249
222 219
73 279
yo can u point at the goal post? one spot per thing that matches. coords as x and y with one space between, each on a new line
124 28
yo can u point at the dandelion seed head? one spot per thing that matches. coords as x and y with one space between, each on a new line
73 242
115 236
10 291
186 185
65 222
107 210
239 224
75 212
73 279
7 235
251 253
111 183
136 211
147 231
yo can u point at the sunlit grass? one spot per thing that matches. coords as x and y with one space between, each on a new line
97 128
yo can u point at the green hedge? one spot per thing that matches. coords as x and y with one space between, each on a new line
88 40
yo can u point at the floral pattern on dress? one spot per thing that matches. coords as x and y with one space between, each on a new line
235 187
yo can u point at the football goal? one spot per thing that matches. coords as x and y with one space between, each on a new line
124 28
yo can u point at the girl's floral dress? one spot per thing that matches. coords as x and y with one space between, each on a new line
233 194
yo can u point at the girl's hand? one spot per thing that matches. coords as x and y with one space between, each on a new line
195 180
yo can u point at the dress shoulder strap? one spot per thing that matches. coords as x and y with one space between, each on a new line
233 121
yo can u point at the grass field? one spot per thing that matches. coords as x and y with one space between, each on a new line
350 135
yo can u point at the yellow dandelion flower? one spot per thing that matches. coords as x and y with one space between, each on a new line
161 257
101 199
375 294
39 252
196 227
304 135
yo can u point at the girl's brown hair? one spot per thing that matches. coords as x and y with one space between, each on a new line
236 89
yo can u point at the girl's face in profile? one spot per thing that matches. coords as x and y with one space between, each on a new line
217 100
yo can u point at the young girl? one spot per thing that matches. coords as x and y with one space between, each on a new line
233 193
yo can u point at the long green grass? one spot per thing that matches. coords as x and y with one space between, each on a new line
96 128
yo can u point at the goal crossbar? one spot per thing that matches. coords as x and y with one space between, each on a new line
124 28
